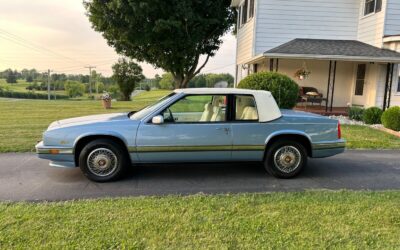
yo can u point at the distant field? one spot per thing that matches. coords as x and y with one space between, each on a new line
23 121
21 87
305 220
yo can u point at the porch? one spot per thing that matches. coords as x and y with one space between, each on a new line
321 110
342 73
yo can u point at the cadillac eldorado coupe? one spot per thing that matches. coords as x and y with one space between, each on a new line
193 125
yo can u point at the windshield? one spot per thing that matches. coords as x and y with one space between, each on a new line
147 110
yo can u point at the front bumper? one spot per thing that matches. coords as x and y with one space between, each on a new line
327 149
58 156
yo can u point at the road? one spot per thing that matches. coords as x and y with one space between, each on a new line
23 177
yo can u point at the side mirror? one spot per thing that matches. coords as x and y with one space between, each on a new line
159 119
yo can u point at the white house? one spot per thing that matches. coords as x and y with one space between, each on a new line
349 46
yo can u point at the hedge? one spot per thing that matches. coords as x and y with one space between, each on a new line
29 95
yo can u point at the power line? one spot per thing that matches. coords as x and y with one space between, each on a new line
36 46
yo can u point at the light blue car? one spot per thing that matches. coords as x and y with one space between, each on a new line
193 125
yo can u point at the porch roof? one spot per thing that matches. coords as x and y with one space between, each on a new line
342 50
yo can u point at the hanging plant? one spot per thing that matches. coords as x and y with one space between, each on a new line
302 73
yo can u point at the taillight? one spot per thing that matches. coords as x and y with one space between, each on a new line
339 131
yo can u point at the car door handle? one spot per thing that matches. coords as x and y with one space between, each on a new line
226 130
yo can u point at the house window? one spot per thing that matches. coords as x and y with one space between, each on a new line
251 10
244 11
360 81
372 6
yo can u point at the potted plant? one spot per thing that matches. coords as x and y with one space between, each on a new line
106 100
302 74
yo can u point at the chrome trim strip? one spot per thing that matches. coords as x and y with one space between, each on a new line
154 149
329 145
62 151
41 149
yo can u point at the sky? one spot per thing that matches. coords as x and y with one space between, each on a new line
57 35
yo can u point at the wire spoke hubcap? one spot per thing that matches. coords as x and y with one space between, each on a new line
287 159
102 162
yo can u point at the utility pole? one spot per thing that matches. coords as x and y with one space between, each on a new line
90 77
48 84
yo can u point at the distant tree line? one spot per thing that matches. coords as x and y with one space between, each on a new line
199 81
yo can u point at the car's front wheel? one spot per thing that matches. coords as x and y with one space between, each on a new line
103 160
285 159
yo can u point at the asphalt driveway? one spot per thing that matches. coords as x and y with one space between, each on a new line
23 177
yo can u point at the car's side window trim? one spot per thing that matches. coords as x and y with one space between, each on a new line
160 111
233 115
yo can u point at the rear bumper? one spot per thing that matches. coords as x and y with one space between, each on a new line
327 149
58 156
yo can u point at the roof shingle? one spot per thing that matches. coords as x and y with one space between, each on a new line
336 49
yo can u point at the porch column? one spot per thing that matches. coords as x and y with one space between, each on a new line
331 85
388 86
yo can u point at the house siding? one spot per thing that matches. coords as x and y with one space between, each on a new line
392 25
279 21
245 38
371 27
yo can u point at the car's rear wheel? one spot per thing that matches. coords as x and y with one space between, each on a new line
285 159
103 160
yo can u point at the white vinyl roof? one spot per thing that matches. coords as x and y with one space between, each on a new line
267 108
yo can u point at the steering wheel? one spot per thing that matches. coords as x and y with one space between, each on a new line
171 117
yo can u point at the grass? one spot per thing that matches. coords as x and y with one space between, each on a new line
22 122
308 220
361 137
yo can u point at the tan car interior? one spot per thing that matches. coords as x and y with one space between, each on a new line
215 111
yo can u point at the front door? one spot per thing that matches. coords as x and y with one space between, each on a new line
359 87
195 129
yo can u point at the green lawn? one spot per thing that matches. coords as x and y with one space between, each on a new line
22 122
361 137
310 220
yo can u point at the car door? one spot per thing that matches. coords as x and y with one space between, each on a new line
248 133
195 129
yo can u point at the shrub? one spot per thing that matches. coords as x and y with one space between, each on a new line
391 118
74 89
283 88
372 115
356 113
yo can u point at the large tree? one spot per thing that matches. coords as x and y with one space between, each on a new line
127 74
169 34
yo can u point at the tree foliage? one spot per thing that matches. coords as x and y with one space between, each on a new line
167 81
74 89
127 74
11 76
171 35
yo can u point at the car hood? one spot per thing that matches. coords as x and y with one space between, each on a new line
88 120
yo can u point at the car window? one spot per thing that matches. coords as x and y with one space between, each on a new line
246 108
197 109
151 108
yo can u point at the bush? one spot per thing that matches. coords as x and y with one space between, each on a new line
372 115
356 113
74 89
284 89
391 118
